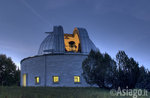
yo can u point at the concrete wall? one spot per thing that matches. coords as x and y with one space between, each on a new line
66 66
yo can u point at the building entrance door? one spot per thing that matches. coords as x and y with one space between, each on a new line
24 80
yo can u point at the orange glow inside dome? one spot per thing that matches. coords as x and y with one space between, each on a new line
72 42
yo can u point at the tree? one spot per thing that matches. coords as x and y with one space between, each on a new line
88 68
111 75
144 79
17 77
128 70
102 70
98 69
8 73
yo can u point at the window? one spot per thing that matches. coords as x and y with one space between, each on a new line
76 79
24 80
55 79
37 80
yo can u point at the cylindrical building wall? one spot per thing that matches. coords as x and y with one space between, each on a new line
64 66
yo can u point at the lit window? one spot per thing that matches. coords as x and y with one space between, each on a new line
37 80
76 79
24 80
55 79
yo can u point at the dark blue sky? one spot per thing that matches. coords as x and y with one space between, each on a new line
112 25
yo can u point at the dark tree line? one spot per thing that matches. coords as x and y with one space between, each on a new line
102 70
9 74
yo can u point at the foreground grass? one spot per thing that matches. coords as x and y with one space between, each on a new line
55 92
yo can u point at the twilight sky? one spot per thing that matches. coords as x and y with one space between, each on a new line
112 25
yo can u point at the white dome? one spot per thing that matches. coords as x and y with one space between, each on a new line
54 42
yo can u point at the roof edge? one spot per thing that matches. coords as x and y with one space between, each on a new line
84 54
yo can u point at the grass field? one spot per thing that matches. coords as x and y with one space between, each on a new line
57 92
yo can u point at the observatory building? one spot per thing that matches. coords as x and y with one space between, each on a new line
59 60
